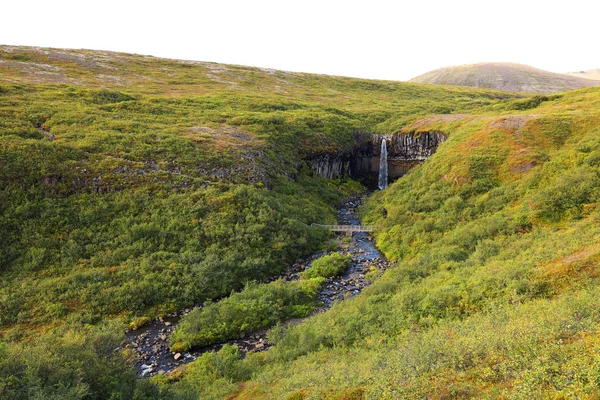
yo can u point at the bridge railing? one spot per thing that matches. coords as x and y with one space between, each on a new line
348 228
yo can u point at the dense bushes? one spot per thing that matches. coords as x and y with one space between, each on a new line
255 307
136 250
534 350
529 103
327 266
105 96
568 193
496 238
149 196
74 364
212 376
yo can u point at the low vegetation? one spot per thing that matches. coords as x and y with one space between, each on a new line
171 184
78 363
497 247
142 252
145 195
256 307
327 266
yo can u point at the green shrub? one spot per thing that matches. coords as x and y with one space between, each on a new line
73 364
568 193
212 376
327 266
139 209
529 103
105 96
130 251
256 307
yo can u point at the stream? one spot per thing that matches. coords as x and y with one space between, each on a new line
150 342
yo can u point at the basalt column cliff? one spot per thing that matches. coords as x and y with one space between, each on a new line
404 151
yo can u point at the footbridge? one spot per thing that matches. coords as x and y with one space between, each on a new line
349 229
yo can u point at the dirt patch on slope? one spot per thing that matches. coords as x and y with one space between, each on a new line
512 123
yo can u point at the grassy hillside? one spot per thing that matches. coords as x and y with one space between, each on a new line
155 165
159 184
505 76
495 293
164 183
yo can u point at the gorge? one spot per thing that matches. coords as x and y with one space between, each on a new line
404 151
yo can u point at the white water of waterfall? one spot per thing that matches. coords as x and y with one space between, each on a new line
383 166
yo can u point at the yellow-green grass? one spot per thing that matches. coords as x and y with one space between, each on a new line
142 152
177 182
496 241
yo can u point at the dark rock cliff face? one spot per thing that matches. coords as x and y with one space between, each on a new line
355 162
405 150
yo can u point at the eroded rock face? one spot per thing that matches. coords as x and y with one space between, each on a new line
405 150
331 166
410 146
355 162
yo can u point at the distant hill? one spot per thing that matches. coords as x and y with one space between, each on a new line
589 74
505 76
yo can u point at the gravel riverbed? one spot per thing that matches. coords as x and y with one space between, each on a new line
150 342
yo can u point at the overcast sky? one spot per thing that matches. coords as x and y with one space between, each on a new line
370 38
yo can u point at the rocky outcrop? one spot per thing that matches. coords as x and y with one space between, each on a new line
405 150
410 146
331 166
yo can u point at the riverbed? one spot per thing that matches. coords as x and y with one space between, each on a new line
150 342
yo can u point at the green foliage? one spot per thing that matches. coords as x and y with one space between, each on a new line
256 307
105 96
151 197
373 274
529 103
94 256
327 266
75 364
539 349
496 280
151 194
213 375
568 193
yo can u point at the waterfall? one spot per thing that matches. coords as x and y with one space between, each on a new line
383 166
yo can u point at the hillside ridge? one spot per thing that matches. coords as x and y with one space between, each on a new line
593 74
505 76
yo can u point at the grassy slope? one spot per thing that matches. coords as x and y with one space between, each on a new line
496 290
496 235
505 76
151 195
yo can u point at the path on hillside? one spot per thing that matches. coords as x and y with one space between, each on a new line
150 343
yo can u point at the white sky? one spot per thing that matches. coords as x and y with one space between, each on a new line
370 38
